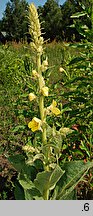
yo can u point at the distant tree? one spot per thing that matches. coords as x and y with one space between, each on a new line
67 9
51 17
14 21
0 25
56 19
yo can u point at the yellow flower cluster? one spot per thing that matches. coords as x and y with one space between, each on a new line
28 148
35 29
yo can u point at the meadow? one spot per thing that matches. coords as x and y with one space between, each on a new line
70 80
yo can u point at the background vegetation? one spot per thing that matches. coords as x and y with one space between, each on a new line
74 94
72 89
56 19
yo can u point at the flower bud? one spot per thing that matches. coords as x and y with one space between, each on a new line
45 62
39 49
44 91
61 69
44 65
35 74
41 40
32 96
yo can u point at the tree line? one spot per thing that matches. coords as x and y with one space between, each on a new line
57 23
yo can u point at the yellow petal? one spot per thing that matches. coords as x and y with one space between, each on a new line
54 103
35 124
55 110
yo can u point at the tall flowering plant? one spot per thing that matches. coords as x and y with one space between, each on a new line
40 174
43 91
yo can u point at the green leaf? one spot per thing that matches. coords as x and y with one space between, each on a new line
78 14
25 182
83 147
29 188
18 161
74 172
19 192
55 176
17 128
48 179
76 60
33 194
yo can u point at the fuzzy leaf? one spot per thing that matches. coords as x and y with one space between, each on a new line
48 179
33 194
78 14
25 182
74 172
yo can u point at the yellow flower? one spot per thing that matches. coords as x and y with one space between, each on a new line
54 109
35 124
44 91
32 96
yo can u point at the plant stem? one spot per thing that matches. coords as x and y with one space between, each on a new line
41 107
45 194
41 100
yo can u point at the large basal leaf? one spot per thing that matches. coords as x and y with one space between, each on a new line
25 182
18 161
30 191
19 192
48 179
33 194
74 172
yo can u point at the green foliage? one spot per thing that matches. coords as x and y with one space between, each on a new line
59 182
84 25
53 170
77 144
14 21
70 90
55 19
74 172
51 16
